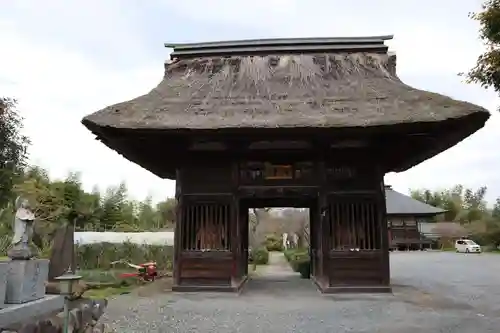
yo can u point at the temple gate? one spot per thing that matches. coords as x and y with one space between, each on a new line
313 123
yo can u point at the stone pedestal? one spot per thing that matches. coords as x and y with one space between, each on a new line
4 270
26 280
14 315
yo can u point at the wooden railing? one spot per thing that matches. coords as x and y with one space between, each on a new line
354 224
206 227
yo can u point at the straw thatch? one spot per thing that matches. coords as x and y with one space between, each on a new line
320 90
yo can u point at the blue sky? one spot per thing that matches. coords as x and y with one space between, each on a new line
66 59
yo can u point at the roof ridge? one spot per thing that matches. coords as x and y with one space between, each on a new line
280 45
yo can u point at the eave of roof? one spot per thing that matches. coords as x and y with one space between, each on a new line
400 204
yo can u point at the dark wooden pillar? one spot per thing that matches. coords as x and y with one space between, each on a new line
325 235
239 223
245 224
354 234
313 224
384 234
177 230
235 243
205 243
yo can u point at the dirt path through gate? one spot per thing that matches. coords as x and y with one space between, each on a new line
278 266
279 279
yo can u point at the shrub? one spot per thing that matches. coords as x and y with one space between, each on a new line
300 262
304 268
259 256
274 242
289 253
101 255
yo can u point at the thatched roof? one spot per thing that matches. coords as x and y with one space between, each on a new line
331 85
208 89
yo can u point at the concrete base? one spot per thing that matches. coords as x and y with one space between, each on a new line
26 280
326 289
233 288
357 290
18 313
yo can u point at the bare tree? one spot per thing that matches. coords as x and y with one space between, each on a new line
255 218
448 231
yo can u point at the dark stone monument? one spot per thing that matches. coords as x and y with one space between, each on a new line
62 254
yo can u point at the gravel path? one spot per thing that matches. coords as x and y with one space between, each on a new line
433 292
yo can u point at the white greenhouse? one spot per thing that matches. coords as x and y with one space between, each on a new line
149 238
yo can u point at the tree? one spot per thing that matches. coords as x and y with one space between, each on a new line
167 209
254 219
147 216
59 201
451 200
474 204
461 204
486 72
115 207
13 148
495 213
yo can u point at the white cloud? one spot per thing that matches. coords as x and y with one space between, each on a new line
434 41
263 13
429 36
59 80
474 162
56 88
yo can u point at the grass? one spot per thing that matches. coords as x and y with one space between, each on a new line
103 275
107 292
108 283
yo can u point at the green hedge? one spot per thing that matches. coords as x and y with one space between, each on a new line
304 268
274 242
299 261
288 253
259 256
100 255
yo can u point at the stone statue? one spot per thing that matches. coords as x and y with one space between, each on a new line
23 230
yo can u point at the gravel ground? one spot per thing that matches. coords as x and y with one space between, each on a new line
433 292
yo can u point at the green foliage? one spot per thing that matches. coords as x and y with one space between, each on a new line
304 268
288 253
299 261
487 69
259 256
13 149
461 204
104 276
101 255
107 292
273 242
4 245
495 213
65 201
468 207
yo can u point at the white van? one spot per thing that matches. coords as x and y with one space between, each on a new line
467 246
